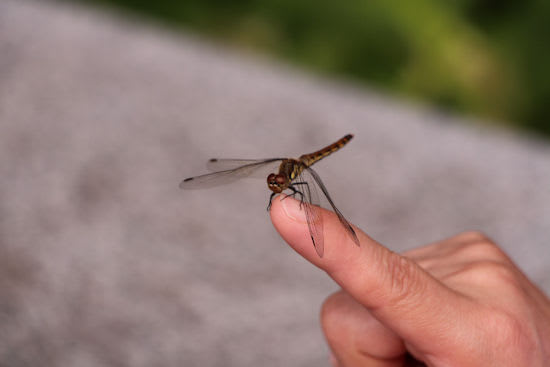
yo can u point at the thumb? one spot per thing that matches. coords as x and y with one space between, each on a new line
395 289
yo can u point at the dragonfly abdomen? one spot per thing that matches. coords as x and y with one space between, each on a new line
309 159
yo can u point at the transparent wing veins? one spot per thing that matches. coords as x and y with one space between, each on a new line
225 164
225 176
314 218
341 217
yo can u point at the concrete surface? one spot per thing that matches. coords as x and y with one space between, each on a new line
105 262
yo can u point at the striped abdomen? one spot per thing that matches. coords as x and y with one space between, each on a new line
309 159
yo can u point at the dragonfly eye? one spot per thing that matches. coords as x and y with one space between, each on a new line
274 182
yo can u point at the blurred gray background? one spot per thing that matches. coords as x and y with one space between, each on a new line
104 261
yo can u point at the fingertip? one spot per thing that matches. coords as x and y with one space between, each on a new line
289 218
290 221
284 208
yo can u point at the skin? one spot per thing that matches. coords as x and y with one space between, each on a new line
457 302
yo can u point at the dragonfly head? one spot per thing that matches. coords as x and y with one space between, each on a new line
277 183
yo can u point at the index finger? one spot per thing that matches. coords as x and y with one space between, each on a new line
396 291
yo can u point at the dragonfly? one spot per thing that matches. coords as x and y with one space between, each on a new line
292 174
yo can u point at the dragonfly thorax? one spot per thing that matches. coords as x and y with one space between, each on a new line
277 182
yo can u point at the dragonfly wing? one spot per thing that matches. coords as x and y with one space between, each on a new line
226 176
222 164
341 217
305 184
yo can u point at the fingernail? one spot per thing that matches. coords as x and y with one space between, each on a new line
292 209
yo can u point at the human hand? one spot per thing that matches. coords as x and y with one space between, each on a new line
459 302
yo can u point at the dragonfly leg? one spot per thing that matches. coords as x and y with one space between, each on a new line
293 194
295 191
270 200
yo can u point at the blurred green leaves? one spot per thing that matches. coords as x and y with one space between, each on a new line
487 58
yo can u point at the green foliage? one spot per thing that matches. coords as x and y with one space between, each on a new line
490 58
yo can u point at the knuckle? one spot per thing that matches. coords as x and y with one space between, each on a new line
473 236
481 249
493 269
403 278
495 274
